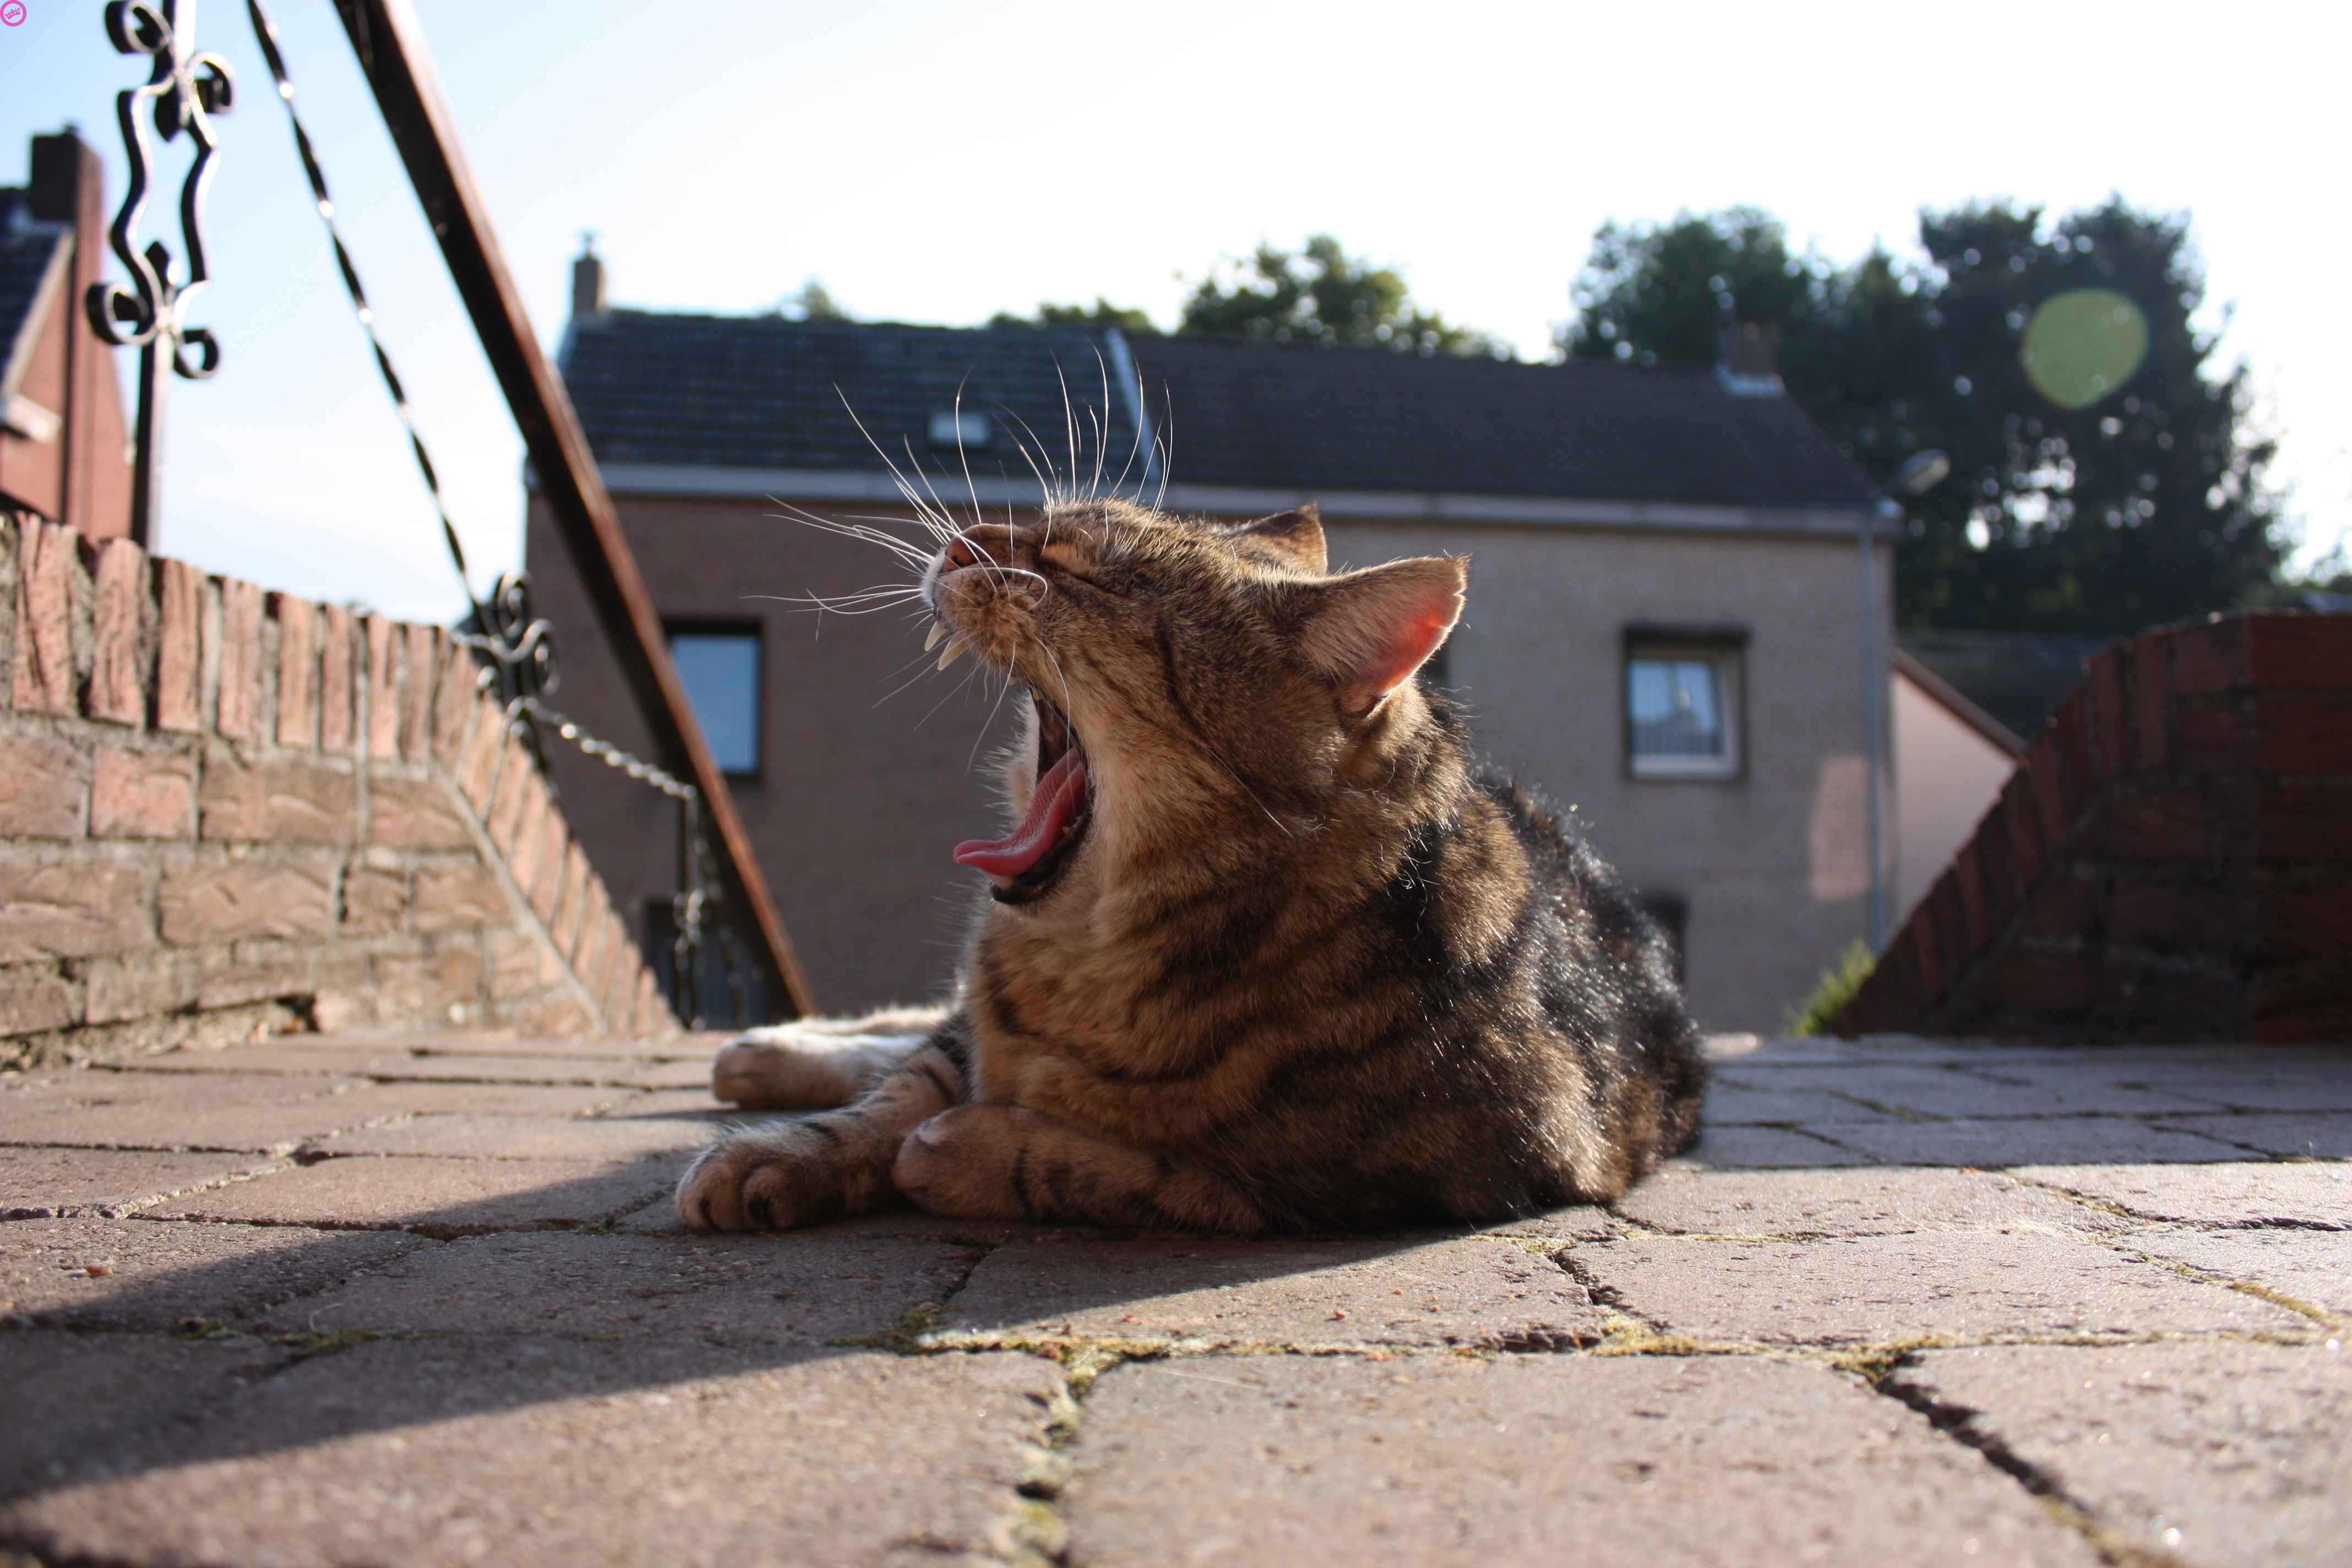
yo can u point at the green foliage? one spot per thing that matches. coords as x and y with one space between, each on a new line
2076 503
1323 295
1100 314
813 304
1838 983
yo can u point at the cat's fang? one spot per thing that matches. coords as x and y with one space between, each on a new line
938 630
955 651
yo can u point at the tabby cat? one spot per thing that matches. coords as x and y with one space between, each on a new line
1266 949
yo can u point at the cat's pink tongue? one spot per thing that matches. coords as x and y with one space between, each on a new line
1055 801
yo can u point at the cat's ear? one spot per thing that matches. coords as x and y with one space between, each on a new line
1368 631
1296 534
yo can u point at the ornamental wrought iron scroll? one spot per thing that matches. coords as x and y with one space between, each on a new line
183 91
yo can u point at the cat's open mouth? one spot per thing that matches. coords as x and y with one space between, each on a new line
1026 862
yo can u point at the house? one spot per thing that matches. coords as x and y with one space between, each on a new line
63 441
1953 758
1664 628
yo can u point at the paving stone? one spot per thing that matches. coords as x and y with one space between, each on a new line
568 1046
1735 1104
1578 1222
42 1183
741 1288
1529 1459
1877 1202
693 1072
358 1061
2212 1453
395 1063
1873 1288
1763 1149
436 1197
2250 1192
158 1274
155 1110
2317 1136
2034 1139
2313 1267
1916 1089
2319 1082
71 1395
2086 1083
1457 1292
497 1099
662 1452
525 1137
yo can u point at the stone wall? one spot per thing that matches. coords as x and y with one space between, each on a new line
226 812
2173 859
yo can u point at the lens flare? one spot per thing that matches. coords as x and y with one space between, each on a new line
2083 345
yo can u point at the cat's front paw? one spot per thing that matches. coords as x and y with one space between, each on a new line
751 1182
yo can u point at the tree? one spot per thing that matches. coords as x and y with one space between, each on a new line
2105 475
1102 313
1323 295
811 304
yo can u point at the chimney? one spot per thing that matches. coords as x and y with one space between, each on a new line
587 280
1744 360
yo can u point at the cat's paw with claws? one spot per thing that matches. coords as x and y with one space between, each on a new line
756 1182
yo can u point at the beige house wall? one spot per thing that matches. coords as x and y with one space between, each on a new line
864 787
1951 776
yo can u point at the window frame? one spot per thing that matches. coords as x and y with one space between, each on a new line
757 631
1725 647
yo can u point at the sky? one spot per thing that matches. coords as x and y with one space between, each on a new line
937 162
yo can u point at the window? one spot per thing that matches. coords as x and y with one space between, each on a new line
721 668
951 428
1683 705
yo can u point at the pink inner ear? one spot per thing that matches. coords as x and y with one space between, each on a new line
1410 643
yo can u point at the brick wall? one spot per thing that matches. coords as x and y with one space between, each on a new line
2172 861
225 811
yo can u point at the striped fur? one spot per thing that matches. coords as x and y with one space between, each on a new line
1306 966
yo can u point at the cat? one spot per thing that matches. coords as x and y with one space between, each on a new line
1265 950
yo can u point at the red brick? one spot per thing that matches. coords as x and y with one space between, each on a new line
517 778
546 866
143 794
298 671
521 964
2109 711
2064 907
2024 821
239 717
41 786
1953 948
438 988
2151 699
245 899
572 901
141 985
9 530
46 569
71 909
37 997
281 800
338 689
529 836
458 893
2306 914
2167 914
589 960
375 898
1976 914
2210 735
122 649
2071 728
2308 1001
557 1020
382 687
253 972
179 647
1996 869
652 1014
2047 986
485 745
415 813
453 699
2209 655
2165 824
2303 733
2302 819
2299 650
417 692
620 974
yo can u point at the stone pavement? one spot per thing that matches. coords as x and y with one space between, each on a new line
399 1300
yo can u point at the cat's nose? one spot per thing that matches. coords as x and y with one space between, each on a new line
987 542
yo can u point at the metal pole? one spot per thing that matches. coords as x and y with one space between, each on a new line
390 44
147 468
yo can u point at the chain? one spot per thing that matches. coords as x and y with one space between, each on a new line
605 752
